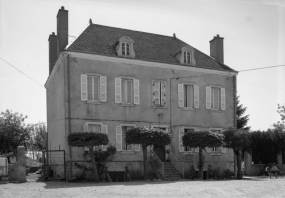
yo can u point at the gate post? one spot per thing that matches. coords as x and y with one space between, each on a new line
247 163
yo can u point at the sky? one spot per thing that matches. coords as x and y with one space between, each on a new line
253 32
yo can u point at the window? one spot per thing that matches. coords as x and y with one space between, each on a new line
215 98
217 149
96 127
185 132
188 96
126 147
125 49
93 88
159 93
127 91
187 57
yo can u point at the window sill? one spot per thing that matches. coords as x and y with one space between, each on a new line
127 105
157 107
128 152
216 153
93 102
188 153
216 111
188 109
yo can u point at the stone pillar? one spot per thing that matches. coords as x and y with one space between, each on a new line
247 163
18 172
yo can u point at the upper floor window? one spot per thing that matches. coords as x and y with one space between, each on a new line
125 47
93 88
159 93
127 91
186 56
188 96
215 98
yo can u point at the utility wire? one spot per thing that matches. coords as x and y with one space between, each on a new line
262 68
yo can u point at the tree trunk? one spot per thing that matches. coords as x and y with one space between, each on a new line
239 173
144 149
200 163
96 178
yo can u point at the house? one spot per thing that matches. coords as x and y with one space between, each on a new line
110 79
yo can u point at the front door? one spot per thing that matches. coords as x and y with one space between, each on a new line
160 152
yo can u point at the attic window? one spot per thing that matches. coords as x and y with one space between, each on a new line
186 56
125 47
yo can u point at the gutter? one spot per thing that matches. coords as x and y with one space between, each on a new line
69 112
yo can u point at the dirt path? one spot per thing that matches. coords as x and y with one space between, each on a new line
256 187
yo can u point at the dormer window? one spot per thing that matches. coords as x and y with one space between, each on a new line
186 56
125 47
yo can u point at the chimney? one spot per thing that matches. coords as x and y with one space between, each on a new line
217 48
52 51
62 29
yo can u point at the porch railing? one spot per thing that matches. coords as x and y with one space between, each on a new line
177 163
161 168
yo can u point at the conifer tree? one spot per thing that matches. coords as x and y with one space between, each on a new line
242 119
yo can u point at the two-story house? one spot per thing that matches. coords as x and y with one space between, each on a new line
109 80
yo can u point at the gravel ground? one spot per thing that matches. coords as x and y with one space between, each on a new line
250 187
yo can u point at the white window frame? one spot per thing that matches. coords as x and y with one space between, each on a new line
192 150
93 76
86 130
221 101
187 57
180 56
125 95
160 126
216 149
197 99
133 146
119 91
124 41
126 49
160 94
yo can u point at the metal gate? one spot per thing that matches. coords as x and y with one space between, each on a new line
54 165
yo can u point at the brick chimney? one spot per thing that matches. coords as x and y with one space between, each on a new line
52 51
62 29
217 48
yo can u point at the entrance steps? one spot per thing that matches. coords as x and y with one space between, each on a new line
170 173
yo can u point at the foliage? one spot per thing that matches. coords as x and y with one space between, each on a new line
82 139
146 137
89 139
13 131
136 175
202 139
281 111
242 119
155 165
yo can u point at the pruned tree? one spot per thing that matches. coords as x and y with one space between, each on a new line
202 139
242 119
13 132
239 141
147 137
90 140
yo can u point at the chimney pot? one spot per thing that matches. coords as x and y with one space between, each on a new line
217 48
62 29
62 7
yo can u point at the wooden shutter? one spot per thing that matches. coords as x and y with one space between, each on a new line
223 150
163 94
119 138
180 95
103 89
155 93
137 147
104 129
136 91
208 97
84 92
181 134
118 90
208 149
223 99
196 97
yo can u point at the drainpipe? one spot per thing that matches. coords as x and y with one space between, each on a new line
68 110
235 118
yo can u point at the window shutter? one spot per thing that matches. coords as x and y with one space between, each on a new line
196 97
103 89
84 93
197 149
223 150
136 91
155 93
180 95
163 94
208 149
118 90
181 134
137 147
104 129
86 130
223 99
208 97
119 138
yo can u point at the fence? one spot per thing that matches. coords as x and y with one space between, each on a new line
54 165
